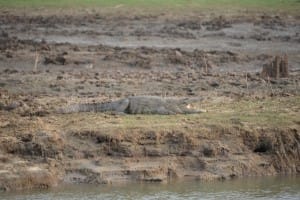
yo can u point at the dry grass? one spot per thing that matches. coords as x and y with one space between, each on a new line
272 112
268 113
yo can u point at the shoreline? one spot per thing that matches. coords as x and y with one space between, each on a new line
252 126
96 157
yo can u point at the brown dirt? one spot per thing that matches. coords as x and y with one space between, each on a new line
93 58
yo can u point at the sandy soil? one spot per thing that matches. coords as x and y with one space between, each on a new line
49 61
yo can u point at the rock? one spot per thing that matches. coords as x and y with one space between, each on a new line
217 24
4 34
177 58
58 60
10 71
45 47
9 54
12 106
214 84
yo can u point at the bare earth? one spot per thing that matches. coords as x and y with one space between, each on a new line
50 61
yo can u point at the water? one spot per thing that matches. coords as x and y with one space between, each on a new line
245 189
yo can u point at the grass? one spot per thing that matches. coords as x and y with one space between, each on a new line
282 5
269 113
277 112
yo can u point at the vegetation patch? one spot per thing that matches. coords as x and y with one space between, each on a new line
287 5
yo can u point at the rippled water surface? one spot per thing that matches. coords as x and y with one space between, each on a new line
254 188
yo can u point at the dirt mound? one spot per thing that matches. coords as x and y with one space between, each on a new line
271 22
39 145
278 68
173 31
217 24
191 24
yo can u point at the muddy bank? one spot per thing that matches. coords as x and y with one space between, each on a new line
105 73
263 33
45 159
48 62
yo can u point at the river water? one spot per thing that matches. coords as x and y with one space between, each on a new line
245 189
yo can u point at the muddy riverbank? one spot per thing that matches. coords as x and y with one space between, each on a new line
251 127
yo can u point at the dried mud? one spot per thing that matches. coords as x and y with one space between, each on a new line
51 61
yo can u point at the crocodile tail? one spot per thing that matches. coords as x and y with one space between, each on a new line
75 108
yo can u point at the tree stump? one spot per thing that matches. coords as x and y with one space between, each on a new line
278 68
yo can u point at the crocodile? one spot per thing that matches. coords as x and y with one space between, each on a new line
139 105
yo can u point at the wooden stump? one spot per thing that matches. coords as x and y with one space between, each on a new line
278 68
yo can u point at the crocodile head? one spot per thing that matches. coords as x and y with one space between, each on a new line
191 105
194 107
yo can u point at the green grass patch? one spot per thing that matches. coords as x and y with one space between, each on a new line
283 5
271 113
